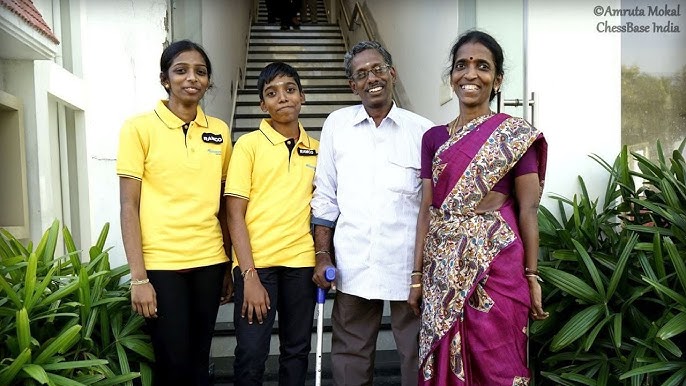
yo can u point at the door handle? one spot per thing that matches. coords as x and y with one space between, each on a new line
516 103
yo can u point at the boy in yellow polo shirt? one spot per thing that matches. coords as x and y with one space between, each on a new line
268 203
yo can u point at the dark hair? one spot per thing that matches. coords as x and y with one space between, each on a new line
173 50
272 70
475 36
363 46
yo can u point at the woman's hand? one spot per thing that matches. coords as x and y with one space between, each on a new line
144 300
537 312
414 299
255 299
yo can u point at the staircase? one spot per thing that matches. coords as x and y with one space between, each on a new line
316 52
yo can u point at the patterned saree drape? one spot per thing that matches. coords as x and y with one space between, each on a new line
476 299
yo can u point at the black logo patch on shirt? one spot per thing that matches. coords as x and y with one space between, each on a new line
212 138
307 152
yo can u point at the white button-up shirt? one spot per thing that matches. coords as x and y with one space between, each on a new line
367 184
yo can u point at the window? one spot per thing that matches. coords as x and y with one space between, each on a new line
13 191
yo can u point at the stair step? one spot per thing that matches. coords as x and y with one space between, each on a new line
386 369
299 64
304 33
312 95
308 83
298 49
306 73
288 40
287 57
306 110
229 329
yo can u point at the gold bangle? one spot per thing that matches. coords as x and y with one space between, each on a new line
416 274
418 285
250 269
530 270
138 282
322 253
534 275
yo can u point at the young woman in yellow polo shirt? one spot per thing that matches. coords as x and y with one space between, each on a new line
172 164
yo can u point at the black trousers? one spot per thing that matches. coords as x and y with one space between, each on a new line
187 304
292 294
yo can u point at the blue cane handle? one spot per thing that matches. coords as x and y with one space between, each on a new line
329 275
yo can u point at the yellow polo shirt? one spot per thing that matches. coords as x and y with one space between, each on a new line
278 186
181 179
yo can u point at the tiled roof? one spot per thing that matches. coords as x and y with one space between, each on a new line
27 11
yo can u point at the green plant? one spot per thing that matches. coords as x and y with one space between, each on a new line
615 279
64 321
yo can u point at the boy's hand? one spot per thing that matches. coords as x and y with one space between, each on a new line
255 299
227 286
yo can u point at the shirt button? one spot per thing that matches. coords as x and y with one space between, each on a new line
192 150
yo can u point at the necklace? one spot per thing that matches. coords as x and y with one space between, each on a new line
455 126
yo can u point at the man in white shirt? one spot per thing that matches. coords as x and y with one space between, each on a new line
367 186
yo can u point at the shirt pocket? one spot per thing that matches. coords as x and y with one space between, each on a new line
402 175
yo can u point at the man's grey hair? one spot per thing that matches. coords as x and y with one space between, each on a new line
363 46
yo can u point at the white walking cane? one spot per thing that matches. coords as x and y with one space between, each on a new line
329 275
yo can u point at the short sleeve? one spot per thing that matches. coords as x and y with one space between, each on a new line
132 150
228 148
431 141
528 163
239 181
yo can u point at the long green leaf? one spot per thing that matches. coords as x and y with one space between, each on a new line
140 347
70 246
118 380
64 291
74 364
579 379
63 381
577 326
61 344
660 367
23 329
11 371
673 327
30 280
43 285
84 295
677 379
570 284
669 346
590 338
36 372
621 265
10 292
658 257
617 330
677 261
592 270
46 250
679 298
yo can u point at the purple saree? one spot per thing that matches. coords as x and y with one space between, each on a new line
476 297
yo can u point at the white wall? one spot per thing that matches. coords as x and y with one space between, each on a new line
122 44
419 36
226 42
575 73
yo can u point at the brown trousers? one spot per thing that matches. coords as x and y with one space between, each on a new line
356 322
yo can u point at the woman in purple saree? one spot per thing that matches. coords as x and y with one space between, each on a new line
476 257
